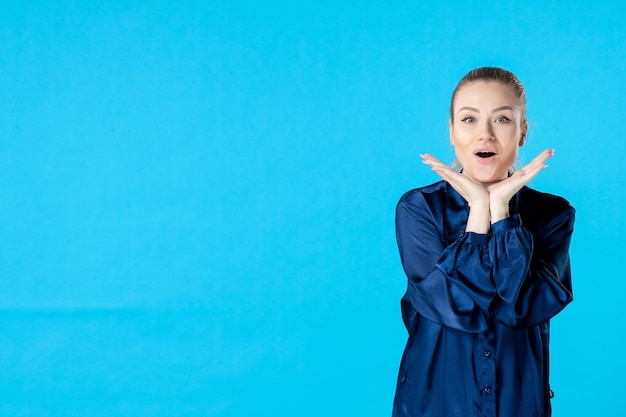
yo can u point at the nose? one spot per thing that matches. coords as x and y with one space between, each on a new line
486 132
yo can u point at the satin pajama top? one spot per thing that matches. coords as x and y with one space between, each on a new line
478 306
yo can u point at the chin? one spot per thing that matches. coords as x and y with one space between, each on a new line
488 178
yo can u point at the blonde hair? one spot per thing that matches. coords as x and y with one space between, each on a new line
493 74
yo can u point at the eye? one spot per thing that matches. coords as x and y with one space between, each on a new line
502 119
468 119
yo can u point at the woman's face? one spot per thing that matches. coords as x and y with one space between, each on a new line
487 130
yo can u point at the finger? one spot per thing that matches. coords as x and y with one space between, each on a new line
428 159
457 180
530 171
445 172
540 160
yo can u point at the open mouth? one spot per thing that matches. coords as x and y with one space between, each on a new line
485 154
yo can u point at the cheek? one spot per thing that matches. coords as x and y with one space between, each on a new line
460 138
511 156
463 155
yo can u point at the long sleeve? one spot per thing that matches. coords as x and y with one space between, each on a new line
449 283
477 307
531 273
518 275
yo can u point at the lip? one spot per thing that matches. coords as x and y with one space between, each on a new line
487 160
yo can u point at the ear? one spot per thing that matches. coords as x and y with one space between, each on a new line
522 140
450 125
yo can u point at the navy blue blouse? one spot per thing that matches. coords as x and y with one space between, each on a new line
478 307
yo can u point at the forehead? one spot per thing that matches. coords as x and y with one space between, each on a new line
486 94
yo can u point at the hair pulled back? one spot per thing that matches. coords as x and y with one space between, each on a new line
493 74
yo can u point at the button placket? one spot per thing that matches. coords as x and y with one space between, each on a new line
487 372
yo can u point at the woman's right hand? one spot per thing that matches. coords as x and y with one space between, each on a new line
476 195
472 191
501 192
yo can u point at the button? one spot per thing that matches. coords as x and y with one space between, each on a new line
487 389
461 234
487 353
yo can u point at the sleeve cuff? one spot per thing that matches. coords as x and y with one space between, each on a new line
506 224
475 238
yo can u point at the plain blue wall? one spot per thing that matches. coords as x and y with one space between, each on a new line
197 198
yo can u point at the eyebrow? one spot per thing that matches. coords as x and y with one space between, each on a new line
502 108
478 111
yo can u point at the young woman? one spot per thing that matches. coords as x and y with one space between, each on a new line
487 261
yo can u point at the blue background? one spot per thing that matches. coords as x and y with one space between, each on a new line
197 198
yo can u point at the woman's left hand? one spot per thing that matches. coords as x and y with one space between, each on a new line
501 192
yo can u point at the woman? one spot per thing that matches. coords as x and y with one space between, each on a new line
487 264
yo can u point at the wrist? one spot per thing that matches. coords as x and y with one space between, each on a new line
480 203
498 211
478 219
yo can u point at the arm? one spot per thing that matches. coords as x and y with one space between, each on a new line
532 276
447 283
510 250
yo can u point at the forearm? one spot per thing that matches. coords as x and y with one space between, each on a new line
498 210
478 219
448 283
532 272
